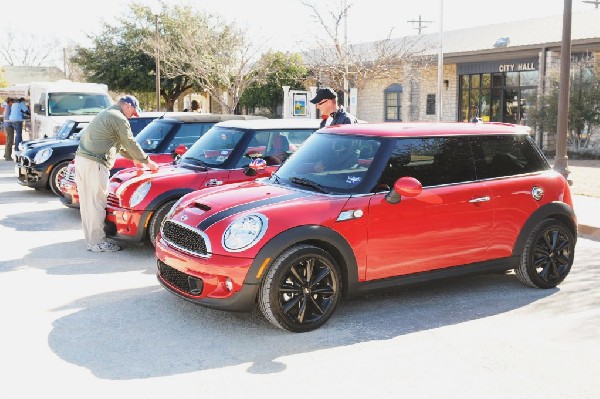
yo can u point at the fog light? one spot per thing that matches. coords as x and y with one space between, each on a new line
229 284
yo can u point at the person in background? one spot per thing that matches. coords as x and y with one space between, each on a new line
18 113
326 102
107 134
9 130
196 106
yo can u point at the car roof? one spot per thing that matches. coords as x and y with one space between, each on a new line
264 124
205 117
419 129
151 114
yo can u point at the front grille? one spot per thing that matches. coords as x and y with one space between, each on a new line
113 200
188 284
184 238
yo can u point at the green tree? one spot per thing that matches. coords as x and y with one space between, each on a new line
122 56
584 105
285 70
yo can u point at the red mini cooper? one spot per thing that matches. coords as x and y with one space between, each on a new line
232 151
366 207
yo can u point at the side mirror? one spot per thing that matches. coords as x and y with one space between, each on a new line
179 151
404 186
37 108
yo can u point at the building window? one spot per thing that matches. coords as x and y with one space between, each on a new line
430 107
393 102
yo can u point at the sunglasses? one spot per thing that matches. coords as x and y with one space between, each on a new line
322 102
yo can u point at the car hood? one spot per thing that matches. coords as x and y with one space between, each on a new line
209 207
132 175
54 144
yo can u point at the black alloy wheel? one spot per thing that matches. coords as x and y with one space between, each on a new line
548 255
301 289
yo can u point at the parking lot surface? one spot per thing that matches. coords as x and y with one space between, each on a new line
96 325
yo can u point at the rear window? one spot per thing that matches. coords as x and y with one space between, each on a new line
498 156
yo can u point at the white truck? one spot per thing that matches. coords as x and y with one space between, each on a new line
52 103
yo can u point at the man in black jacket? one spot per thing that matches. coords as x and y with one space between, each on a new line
326 102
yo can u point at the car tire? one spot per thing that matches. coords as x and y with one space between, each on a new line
57 173
301 289
157 218
547 256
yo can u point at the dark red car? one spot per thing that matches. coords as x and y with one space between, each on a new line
167 137
366 207
229 152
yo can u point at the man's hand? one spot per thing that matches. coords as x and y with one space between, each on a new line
153 166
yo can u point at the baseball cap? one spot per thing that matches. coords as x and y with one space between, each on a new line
131 100
325 93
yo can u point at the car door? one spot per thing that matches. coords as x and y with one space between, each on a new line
448 224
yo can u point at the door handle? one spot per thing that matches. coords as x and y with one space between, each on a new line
480 199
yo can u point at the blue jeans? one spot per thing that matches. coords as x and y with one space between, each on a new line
18 126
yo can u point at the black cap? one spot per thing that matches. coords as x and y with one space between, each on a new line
326 93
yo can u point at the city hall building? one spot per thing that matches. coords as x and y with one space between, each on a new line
490 72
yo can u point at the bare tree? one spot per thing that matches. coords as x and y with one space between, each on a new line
29 50
331 60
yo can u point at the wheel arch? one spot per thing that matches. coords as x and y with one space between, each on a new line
555 210
321 237
167 196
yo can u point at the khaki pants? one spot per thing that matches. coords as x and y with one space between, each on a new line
92 185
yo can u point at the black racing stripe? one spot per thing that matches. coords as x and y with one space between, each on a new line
206 223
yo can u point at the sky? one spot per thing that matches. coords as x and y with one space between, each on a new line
286 25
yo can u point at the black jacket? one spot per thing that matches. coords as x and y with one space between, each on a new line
340 117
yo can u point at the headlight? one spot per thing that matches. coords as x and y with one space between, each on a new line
22 146
244 232
42 156
139 194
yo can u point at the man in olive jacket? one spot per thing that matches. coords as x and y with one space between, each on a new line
107 134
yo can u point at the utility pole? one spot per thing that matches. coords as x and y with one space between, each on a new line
156 16
560 161
440 64
420 23
346 90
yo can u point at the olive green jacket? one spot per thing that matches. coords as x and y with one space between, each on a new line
107 134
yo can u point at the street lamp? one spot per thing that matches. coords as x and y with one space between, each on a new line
157 57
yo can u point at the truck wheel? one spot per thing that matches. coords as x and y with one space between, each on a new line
301 289
157 218
548 255
56 175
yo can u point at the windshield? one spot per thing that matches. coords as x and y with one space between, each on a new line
152 135
331 163
62 104
65 130
214 148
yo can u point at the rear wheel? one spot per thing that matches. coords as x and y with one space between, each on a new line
548 255
301 289
157 218
55 177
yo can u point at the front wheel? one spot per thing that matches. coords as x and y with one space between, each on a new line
55 177
548 255
157 218
301 289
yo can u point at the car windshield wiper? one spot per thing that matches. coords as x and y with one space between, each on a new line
275 178
309 183
195 161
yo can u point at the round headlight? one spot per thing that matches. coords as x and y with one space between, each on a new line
244 232
42 156
139 194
